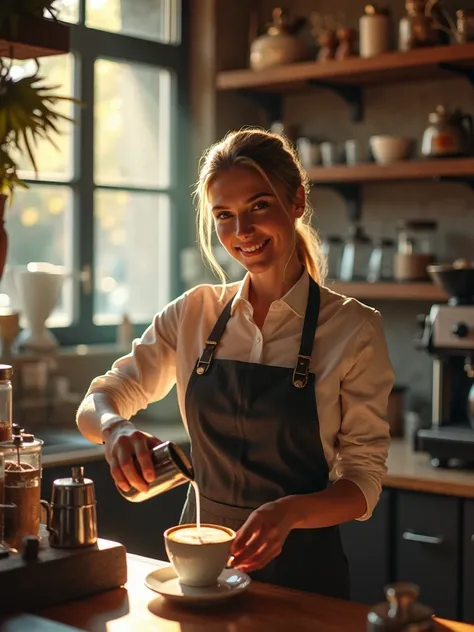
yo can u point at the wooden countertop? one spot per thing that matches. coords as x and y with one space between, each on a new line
412 470
261 608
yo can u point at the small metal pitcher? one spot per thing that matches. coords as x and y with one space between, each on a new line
72 515
172 468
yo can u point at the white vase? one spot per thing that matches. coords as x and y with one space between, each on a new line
35 289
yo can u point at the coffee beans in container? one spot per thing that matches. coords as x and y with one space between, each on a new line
6 373
22 486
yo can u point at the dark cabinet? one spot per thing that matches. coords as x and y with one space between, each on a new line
468 562
138 526
427 546
367 549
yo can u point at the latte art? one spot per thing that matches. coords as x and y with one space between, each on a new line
201 535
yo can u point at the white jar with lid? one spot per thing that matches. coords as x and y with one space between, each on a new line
374 32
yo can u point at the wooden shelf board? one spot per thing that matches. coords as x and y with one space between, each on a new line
389 290
35 38
403 170
422 63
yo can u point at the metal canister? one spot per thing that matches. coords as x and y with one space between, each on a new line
401 612
172 468
72 515
374 31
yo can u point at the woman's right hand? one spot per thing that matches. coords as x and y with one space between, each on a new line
123 442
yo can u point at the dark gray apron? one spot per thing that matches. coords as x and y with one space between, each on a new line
255 438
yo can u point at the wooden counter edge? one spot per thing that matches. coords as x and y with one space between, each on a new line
106 610
418 484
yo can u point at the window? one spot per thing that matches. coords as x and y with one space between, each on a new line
105 204
156 20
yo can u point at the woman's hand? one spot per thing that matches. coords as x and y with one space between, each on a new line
262 537
122 443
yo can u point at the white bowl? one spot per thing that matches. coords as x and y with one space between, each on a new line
387 149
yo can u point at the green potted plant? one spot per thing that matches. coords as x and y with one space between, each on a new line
28 113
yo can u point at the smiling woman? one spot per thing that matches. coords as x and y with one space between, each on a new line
278 193
283 384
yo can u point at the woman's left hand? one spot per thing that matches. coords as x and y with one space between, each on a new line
262 536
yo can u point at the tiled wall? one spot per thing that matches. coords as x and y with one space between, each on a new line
400 109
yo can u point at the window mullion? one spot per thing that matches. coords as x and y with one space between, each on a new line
84 170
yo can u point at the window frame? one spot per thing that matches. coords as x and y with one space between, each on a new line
88 45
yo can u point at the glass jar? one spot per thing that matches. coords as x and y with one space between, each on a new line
380 266
22 486
355 255
6 374
415 249
332 249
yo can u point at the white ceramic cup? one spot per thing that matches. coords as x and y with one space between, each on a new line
198 563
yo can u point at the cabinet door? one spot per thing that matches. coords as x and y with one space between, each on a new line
138 526
367 547
427 548
468 562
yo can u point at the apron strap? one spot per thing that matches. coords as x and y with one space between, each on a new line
211 343
300 374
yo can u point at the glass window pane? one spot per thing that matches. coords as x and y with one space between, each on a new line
66 10
54 163
40 229
156 20
132 125
131 254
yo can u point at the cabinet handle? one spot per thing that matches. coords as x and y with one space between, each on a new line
420 537
472 537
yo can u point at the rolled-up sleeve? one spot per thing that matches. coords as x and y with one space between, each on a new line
364 437
148 372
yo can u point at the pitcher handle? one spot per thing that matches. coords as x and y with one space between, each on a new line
47 507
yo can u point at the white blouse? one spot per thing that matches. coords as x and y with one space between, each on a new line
354 375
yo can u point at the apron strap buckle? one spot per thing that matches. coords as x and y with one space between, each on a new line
300 374
206 357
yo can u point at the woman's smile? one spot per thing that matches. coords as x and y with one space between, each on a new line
254 249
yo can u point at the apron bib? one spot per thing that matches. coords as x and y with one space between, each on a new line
255 438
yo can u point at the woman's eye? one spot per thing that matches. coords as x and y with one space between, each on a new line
260 205
223 215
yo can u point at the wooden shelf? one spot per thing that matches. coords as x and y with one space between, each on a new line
35 38
455 168
389 291
423 63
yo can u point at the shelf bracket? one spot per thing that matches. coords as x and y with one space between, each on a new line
468 73
352 194
352 95
270 102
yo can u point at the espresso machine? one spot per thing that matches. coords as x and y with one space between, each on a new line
448 336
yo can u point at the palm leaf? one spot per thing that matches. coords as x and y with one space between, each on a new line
28 113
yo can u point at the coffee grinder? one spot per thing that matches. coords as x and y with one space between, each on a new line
448 336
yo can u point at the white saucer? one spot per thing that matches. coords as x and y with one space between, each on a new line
164 581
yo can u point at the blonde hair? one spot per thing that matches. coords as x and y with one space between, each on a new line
274 158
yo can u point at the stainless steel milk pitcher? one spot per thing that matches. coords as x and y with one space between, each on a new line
172 468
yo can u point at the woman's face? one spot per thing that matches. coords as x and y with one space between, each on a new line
250 222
